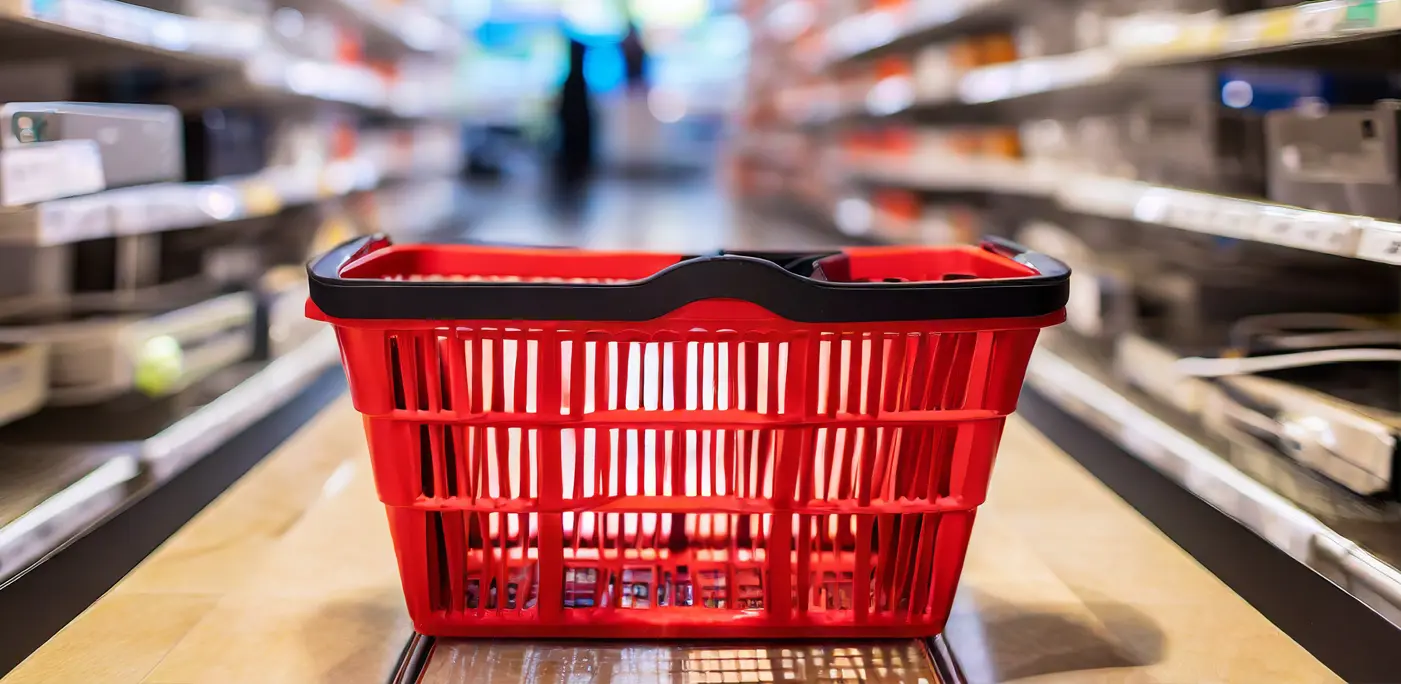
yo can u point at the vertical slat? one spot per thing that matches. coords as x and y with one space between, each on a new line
861 580
796 441
488 562
503 537
522 391
479 467
902 559
477 377
460 453
408 370
457 373
885 561
440 463
804 563
927 451
624 372
456 542
497 341
549 375
923 574
894 398
954 532
432 371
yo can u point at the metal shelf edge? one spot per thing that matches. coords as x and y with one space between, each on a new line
1209 477
63 516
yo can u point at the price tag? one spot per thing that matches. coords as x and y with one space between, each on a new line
1381 242
72 220
1084 312
131 215
1202 38
1246 30
1361 15
1308 230
261 198
1236 219
1275 27
1153 206
1316 20
42 171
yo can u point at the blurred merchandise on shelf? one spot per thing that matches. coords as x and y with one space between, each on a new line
1341 160
166 169
1209 168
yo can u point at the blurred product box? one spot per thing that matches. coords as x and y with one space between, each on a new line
1342 160
1193 309
24 380
1341 421
38 172
220 143
282 294
34 272
137 143
1203 129
1102 300
101 356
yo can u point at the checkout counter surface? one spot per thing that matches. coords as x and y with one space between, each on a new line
289 577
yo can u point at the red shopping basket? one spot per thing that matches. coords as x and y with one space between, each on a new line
628 445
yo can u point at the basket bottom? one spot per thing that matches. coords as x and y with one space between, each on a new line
738 627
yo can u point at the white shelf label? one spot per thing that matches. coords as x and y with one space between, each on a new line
1318 20
1237 219
1307 230
43 171
72 220
1381 241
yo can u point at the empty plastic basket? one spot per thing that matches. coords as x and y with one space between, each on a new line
626 445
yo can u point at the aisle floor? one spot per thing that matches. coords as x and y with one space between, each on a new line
683 216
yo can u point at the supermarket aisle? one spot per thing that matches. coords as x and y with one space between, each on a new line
291 577
684 216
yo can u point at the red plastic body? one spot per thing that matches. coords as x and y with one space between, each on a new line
716 473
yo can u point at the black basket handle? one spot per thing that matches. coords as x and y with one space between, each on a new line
328 266
762 281
1045 265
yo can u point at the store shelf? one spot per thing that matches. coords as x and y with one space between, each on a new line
1140 43
46 171
958 173
1200 212
1257 220
95 34
1303 25
877 30
93 31
1181 457
406 26
54 493
1027 77
177 206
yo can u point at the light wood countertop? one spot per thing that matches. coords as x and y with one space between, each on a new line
290 577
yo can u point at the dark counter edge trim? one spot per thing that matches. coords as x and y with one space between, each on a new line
56 591
1341 632
413 660
418 651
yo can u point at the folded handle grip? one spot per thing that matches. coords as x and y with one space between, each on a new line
329 265
761 280
1045 265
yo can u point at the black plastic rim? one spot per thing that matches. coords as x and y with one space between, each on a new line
760 281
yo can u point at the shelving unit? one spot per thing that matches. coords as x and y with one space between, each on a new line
349 127
890 124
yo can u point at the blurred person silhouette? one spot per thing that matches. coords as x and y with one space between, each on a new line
634 59
574 159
